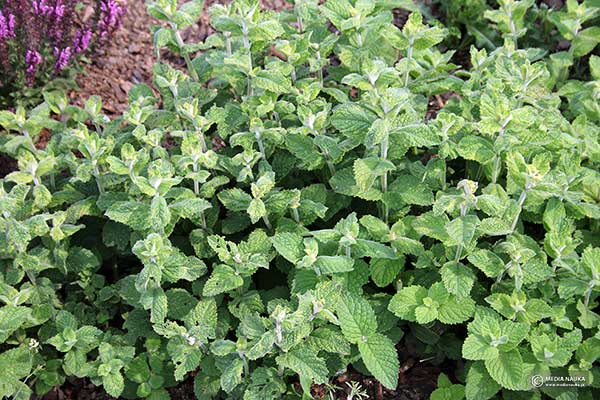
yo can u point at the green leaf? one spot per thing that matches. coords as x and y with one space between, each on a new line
113 384
370 248
305 363
381 359
223 279
458 278
289 246
256 210
480 385
585 41
232 375
133 214
235 199
334 264
447 391
156 301
353 121
356 317
385 271
273 81
488 262
507 369
462 230
405 302
368 169
159 214
11 319
455 311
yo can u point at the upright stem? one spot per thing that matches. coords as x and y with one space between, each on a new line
227 43
296 215
299 21
513 28
328 160
408 61
97 177
320 71
261 145
522 198
588 294
197 193
496 168
202 140
186 57
384 177
267 222
245 32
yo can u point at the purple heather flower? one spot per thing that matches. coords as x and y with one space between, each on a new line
7 26
82 40
63 56
110 17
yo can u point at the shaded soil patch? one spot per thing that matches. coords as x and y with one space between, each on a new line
7 165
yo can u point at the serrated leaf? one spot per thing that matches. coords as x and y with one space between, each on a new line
305 363
380 356
405 302
458 278
289 246
480 385
223 279
334 264
507 369
353 121
356 317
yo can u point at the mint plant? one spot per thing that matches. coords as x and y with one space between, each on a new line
339 220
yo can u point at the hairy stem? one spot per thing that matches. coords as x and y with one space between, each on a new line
186 57
267 222
328 159
197 193
409 54
227 43
245 32
296 215
384 177
522 198
261 146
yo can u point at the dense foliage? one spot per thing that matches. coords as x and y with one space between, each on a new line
41 39
288 206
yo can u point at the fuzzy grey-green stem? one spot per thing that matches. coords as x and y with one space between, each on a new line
186 57
522 198
197 193
408 61
227 43
296 215
261 146
328 159
267 222
384 178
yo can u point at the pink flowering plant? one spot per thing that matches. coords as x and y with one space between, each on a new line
41 39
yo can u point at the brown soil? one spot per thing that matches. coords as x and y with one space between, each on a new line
125 61
7 165
128 58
